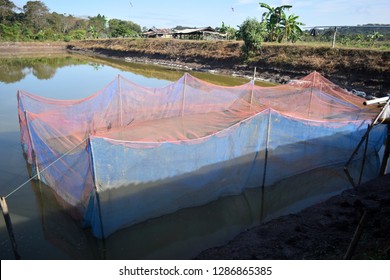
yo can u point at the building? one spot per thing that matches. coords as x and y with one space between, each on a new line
205 33
158 33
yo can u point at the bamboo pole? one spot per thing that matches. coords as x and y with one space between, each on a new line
265 165
386 154
354 153
253 86
120 100
33 154
364 158
184 94
356 236
334 37
7 218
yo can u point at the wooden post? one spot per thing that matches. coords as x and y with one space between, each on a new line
33 154
184 94
265 164
4 209
374 122
334 37
356 236
386 154
120 100
364 157
253 85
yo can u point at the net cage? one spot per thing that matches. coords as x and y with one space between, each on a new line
129 153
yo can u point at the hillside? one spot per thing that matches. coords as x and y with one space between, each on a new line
361 69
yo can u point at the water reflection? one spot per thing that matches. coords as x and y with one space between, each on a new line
173 74
187 232
13 70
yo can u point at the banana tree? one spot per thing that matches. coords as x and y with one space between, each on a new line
372 38
290 29
273 18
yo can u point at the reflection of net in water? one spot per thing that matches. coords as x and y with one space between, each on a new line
187 232
128 153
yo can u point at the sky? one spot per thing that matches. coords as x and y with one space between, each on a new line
202 13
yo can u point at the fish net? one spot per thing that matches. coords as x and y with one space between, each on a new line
129 153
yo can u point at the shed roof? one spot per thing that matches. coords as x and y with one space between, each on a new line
194 30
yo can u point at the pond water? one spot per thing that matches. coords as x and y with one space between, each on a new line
44 230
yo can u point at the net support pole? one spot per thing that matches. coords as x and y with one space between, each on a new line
7 218
334 37
32 146
120 100
386 154
253 85
364 158
355 152
184 95
96 192
356 236
265 164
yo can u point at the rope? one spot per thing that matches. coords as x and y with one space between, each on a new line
51 164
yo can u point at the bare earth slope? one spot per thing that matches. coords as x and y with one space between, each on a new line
361 69
323 231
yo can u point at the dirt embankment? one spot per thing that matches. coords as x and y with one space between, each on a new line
361 69
26 48
323 231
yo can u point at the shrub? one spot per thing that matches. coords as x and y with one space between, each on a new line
252 33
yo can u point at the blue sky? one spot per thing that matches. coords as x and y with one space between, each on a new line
200 13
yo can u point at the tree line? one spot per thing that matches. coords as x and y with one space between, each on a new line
34 21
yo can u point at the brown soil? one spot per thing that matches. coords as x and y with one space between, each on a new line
361 69
24 48
323 231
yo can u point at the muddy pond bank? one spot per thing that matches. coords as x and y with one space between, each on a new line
361 69
323 231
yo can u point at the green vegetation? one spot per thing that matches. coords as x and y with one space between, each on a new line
275 26
279 26
365 36
34 21
252 33
229 31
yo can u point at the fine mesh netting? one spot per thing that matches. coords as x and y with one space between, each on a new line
130 153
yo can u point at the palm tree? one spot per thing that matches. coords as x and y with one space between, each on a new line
273 19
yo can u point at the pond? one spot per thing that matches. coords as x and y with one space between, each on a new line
44 230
